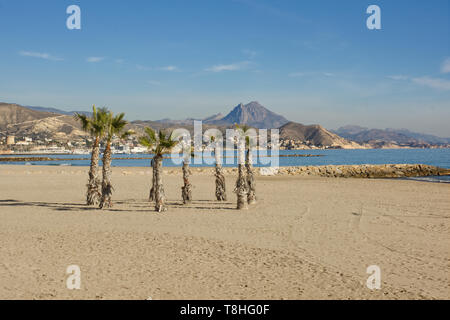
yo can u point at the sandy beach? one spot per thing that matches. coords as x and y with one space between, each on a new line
306 238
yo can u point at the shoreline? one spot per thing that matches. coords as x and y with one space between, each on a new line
369 171
38 158
9 153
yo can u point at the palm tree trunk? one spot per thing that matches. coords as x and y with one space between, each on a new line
160 198
93 193
251 197
186 190
151 197
221 193
107 188
241 189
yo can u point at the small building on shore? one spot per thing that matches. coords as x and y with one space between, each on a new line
10 140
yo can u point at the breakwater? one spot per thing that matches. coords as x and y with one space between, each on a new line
339 171
43 158
364 171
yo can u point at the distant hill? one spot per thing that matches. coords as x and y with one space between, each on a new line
14 113
315 135
214 117
54 123
62 128
350 129
139 125
54 110
23 121
252 114
429 138
397 136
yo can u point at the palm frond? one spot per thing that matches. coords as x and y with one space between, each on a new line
151 134
126 134
168 142
160 143
149 140
243 127
161 135
117 123
85 121
146 142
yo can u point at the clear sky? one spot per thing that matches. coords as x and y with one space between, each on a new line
311 61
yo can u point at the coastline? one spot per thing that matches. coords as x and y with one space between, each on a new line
88 152
330 171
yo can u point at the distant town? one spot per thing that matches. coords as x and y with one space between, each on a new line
42 145
37 145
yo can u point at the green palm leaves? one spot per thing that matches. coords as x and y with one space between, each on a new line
245 131
115 126
96 124
160 143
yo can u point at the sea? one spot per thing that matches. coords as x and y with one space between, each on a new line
434 157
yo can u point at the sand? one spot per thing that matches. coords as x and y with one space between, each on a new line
306 238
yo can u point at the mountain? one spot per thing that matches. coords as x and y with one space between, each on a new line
139 125
22 121
314 135
252 114
189 121
350 130
54 110
429 138
62 128
215 117
40 122
396 136
14 113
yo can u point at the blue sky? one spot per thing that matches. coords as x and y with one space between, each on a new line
311 61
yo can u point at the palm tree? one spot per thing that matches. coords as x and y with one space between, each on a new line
186 189
241 188
221 193
149 141
160 145
95 126
115 126
249 178
251 185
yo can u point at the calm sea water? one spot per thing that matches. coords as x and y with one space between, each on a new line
435 157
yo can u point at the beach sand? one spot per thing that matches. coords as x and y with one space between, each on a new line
306 238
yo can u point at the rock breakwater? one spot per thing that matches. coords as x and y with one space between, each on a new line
366 171
339 171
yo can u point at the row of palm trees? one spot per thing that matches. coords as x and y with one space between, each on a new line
103 126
